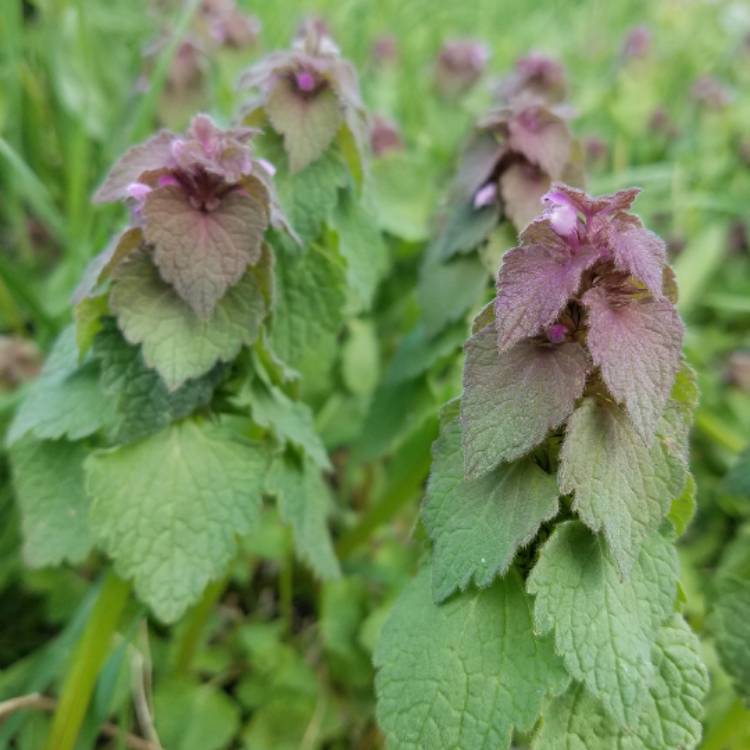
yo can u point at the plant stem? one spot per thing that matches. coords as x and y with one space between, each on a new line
191 636
729 729
407 473
87 662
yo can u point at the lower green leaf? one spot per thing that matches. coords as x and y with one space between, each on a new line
175 341
48 479
169 508
463 674
604 626
671 714
304 503
478 525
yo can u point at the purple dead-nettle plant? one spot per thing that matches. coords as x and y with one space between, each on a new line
165 415
510 160
559 483
308 95
201 204
315 129
535 75
459 66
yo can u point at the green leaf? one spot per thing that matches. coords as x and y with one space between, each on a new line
144 404
478 525
310 293
203 253
671 714
418 352
362 247
309 197
48 480
309 123
683 507
737 481
194 717
622 486
360 358
289 420
88 314
604 626
174 340
168 509
729 612
66 400
304 503
465 228
512 400
463 674
447 291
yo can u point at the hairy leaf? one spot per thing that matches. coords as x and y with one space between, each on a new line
463 674
363 249
535 283
168 509
622 487
65 400
729 614
289 420
478 525
310 196
638 347
542 137
305 503
175 341
604 626
522 187
671 715
638 251
48 479
309 123
150 155
310 292
202 253
512 400
144 404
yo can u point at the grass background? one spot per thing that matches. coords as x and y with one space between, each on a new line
73 97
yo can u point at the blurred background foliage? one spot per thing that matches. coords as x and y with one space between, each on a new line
270 659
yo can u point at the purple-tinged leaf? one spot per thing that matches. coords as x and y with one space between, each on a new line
308 122
542 137
513 399
103 264
152 155
622 486
637 345
535 283
522 187
638 251
224 153
477 163
590 206
203 253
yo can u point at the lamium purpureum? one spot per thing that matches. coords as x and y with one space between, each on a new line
560 480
